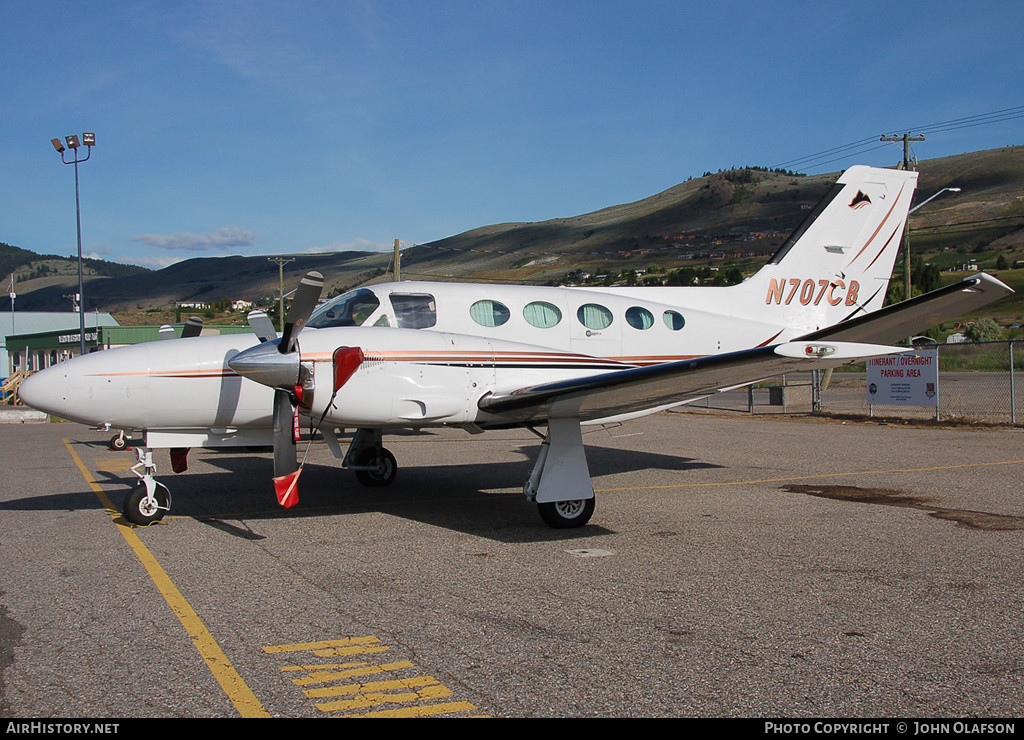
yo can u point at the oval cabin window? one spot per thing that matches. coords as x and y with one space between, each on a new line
639 318
674 320
489 313
542 315
594 316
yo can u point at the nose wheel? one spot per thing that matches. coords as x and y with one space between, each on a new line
142 509
149 500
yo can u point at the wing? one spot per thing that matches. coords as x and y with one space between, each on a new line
632 391
644 388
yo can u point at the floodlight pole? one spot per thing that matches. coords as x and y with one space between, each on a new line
73 143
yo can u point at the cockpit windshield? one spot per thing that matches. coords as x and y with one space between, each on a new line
348 309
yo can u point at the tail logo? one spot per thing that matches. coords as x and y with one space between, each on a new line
860 200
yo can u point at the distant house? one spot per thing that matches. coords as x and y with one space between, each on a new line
241 305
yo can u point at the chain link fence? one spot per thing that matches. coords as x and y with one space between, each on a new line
979 382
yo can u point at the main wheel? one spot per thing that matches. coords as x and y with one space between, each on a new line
139 510
384 467
567 514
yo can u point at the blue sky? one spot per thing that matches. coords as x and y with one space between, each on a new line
286 127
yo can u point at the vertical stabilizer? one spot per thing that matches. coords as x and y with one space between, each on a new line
838 262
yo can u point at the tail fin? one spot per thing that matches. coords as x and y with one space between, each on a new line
837 264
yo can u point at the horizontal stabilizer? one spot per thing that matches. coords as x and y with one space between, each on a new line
907 318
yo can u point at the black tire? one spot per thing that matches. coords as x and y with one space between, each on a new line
118 442
385 463
137 511
567 514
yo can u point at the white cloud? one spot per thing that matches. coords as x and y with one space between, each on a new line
189 242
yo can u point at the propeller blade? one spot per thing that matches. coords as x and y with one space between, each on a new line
305 300
285 461
166 332
262 326
193 328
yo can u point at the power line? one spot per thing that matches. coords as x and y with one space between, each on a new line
854 148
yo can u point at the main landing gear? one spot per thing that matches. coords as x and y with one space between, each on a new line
559 484
373 465
560 481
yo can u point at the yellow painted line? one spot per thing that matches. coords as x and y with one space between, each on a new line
422 711
368 700
322 645
115 466
231 682
325 676
372 687
791 478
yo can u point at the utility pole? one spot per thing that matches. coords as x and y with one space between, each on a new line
398 263
280 269
14 326
906 138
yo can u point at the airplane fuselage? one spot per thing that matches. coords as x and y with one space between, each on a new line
409 377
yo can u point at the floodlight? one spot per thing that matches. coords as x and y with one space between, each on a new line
57 144
89 139
72 141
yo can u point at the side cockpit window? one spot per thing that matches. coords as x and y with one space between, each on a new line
349 309
414 310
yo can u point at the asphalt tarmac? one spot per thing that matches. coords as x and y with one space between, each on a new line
734 567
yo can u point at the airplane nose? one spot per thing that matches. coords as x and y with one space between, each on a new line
265 364
45 391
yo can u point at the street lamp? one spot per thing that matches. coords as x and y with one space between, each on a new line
906 241
89 141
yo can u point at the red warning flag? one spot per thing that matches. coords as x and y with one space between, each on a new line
287 488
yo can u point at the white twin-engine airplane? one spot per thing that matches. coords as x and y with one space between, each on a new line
481 357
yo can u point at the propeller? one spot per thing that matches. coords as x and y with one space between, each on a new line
275 363
279 367
193 328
